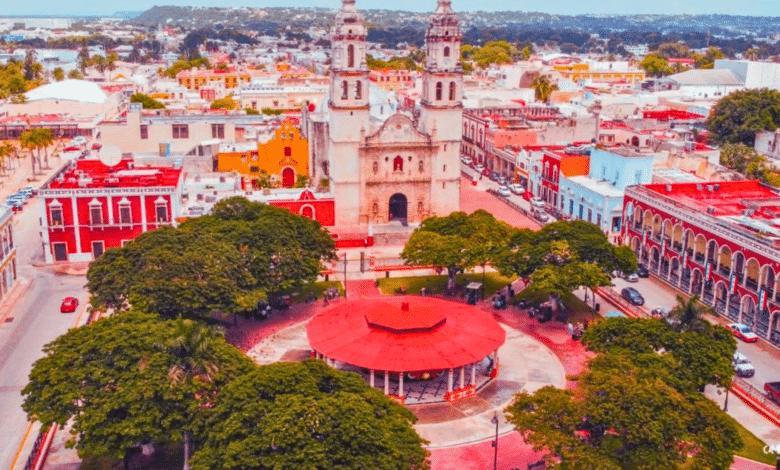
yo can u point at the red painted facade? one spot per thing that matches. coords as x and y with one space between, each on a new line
321 210
717 240
92 207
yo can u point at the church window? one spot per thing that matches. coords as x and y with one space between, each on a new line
376 167
288 151
350 56
398 164
359 90
438 91
344 90
409 158
446 51
420 166
444 168
452 91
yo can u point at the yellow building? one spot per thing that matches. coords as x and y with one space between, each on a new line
195 79
577 72
284 156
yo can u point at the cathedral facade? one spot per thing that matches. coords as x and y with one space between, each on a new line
383 165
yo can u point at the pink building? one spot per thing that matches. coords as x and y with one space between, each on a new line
90 207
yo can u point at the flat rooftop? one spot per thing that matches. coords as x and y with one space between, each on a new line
94 174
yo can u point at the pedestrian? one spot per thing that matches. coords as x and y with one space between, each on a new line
571 330
325 299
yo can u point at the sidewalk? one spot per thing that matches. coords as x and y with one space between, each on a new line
19 173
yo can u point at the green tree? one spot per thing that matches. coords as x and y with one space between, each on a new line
44 138
58 74
308 416
111 382
75 74
656 66
690 313
739 115
29 140
669 50
542 87
227 103
456 242
147 102
111 60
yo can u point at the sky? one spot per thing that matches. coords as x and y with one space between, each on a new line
569 7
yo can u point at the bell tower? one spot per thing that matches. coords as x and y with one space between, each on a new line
348 109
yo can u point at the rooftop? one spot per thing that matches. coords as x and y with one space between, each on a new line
69 90
94 174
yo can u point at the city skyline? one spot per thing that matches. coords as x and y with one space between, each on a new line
562 7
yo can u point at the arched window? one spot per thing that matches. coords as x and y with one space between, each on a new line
376 167
452 91
344 90
420 166
359 90
438 91
447 51
350 56
288 151
398 163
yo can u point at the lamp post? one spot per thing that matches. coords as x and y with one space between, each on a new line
726 403
495 443
345 274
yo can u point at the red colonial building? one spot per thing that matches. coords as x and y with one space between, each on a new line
90 207
718 240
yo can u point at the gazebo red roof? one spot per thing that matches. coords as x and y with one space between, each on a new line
404 334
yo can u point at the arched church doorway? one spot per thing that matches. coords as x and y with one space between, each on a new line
398 206
288 177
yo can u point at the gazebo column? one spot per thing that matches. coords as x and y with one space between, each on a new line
463 376
371 378
387 383
474 374
449 381
400 384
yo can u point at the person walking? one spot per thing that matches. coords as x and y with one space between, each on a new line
571 330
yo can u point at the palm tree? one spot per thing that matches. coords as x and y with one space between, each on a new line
542 87
111 59
28 141
58 74
191 346
6 150
45 139
690 314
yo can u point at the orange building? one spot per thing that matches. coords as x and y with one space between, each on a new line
196 78
285 156
577 72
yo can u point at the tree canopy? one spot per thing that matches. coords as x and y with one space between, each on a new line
307 416
744 159
111 380
457 242
563 256
224 262
227 103
738 116
147 102
635 408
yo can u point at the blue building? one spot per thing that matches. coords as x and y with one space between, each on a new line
598 197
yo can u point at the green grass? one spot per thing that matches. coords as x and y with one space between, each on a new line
437 284
753 447
302 293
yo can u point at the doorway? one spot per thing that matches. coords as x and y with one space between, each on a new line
398 206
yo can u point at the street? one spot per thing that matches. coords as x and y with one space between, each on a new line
34 321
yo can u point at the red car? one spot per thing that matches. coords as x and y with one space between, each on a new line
69 305
528 195
743 332
72 149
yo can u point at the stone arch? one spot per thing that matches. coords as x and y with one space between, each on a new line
752 273
674 271
774 330
398 207
308 211
439 90
768 280
697 282
747 311
700 248
288 177
654 259
721 297
677 237
667 229
734 306
647 221
738 265
657 224
398 163
712 249
724 260
636 245
689 241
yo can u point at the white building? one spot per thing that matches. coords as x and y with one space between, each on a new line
7 251
753 74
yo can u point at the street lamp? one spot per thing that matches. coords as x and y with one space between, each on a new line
345 274
495 443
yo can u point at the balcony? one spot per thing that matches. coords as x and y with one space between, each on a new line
724 271
699 258
751 284
677 247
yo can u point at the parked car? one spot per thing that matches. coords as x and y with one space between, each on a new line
69 305
501 180
486 172
479 168
630 277
15 204
29 191
466 160
743 332
517 188
528 195
632 296
280 302
742 365
263 310
772 390
642 271
537 202
79 140
504 191
542 215
493 175
662 312
72 148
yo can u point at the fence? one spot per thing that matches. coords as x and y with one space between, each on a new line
756 399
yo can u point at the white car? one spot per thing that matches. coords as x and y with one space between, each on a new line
479 168
742 365
466 160
517 188
79 140
504 191
537 203
542 216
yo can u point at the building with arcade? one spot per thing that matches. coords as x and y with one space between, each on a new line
717 240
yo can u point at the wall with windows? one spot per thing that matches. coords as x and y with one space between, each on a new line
7 252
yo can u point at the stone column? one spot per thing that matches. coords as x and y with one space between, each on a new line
400 384
474 374
387 383
371 378
449 381
462 376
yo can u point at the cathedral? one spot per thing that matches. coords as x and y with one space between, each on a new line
382 164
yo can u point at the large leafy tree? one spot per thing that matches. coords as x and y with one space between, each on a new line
111 381
738 116
631 410
307 416
543 88
224 262
563 256
457 242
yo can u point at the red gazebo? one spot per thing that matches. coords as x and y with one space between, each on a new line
407 335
